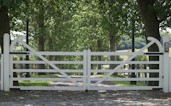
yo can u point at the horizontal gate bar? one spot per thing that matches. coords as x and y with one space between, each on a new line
53 62
125 88
127 71
122 53
50 53
70 88
48 79
126 79
119 62
45 70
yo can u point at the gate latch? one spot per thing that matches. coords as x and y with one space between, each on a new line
166 47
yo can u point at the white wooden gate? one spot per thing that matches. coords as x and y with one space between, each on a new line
83 75
62 81
98 83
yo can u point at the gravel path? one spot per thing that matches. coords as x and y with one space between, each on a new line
80 98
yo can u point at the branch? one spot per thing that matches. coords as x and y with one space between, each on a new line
168 13
165 17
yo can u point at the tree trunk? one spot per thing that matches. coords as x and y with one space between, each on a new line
99 58
4 24
99 45
112 36
151 23
4 28
112 48
41 36
41 46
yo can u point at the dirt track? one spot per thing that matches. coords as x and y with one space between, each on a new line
80 98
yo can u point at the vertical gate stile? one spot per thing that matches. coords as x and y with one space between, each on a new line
88 69
85 69
161 71
169 75
11 71
161 60
6 61
2 72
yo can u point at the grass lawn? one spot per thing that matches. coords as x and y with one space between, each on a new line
34 83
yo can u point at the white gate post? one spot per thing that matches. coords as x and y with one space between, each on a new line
6 61
166 60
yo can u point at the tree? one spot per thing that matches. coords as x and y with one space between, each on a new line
4 20
5 5
154 13
114 18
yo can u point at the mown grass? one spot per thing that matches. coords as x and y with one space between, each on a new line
33 83
47 83
46 76
117 83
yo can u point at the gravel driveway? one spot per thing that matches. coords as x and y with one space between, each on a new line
80 98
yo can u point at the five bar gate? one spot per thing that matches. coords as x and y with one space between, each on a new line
78 69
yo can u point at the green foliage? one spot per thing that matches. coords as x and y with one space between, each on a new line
163 11
141 58
6 2
76 25
11 3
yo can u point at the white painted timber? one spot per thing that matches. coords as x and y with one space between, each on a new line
125 62
119 62
49 53
47 70
124 88
88 69
123 53
166 67
11 67
52 62
62 53
87 81
161 70
169 75
85 69
126 79
128 71
48 88
6 61
2 73
47 79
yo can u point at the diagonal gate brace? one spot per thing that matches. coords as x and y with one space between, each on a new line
125 62
49 63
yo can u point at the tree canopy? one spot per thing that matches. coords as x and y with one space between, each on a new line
76 25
